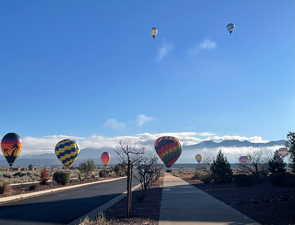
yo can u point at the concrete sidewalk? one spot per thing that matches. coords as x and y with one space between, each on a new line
184 204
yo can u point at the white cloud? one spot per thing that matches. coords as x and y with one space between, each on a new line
142 119
114 124
204 45
207 44
164 50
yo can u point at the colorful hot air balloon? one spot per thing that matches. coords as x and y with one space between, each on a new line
67 151
244 159
283 152
230 27
168 149
198 158
105 158
154 32
11 145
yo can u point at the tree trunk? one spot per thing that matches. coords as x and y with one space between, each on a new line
129 193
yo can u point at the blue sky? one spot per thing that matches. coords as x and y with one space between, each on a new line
91 68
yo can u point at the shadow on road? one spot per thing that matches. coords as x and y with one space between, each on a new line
55 212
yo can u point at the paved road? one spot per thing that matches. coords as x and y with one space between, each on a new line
61 207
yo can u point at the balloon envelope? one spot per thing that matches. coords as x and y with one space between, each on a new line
154 32
198 158
11 146
230 27
168 149
283 152
67 151
243 159
105 158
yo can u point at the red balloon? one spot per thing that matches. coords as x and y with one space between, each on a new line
105 158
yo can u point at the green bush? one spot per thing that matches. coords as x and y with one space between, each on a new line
220 169
61 177
4 187
244 180
32 187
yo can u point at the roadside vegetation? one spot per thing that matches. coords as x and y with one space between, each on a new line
38 178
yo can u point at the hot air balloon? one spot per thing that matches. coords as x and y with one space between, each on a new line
11 145
67 151
154 32
244 159
230 27
105 158
168 149
198 158
283 152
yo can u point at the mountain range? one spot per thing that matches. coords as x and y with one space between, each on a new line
49 159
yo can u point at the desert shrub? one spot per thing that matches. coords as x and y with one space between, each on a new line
203 175
61 177
103 173
244 180
19 174
206 178
87 167
7 175
120 169
44 176
101 220
4 187
32 187
221 170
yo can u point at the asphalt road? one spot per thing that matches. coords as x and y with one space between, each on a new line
61 207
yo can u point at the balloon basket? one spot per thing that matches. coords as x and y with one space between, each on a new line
168 170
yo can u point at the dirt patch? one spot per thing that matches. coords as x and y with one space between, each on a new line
263 202
146 208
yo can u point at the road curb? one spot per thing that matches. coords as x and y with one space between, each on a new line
93 214
39 193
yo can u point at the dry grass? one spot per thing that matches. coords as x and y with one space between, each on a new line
123 221
4 187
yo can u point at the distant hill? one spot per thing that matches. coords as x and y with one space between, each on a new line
233 143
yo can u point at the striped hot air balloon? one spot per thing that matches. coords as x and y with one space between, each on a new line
168 149
105 158
11 146
67 151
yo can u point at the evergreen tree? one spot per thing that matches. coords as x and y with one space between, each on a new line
220 169
276 164
291 146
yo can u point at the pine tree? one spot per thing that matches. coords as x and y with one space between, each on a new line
220 169
276 164
291 145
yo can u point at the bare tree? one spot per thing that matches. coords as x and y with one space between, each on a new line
148 171
130 156
256 162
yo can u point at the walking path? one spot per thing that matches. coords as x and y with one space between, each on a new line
184 204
